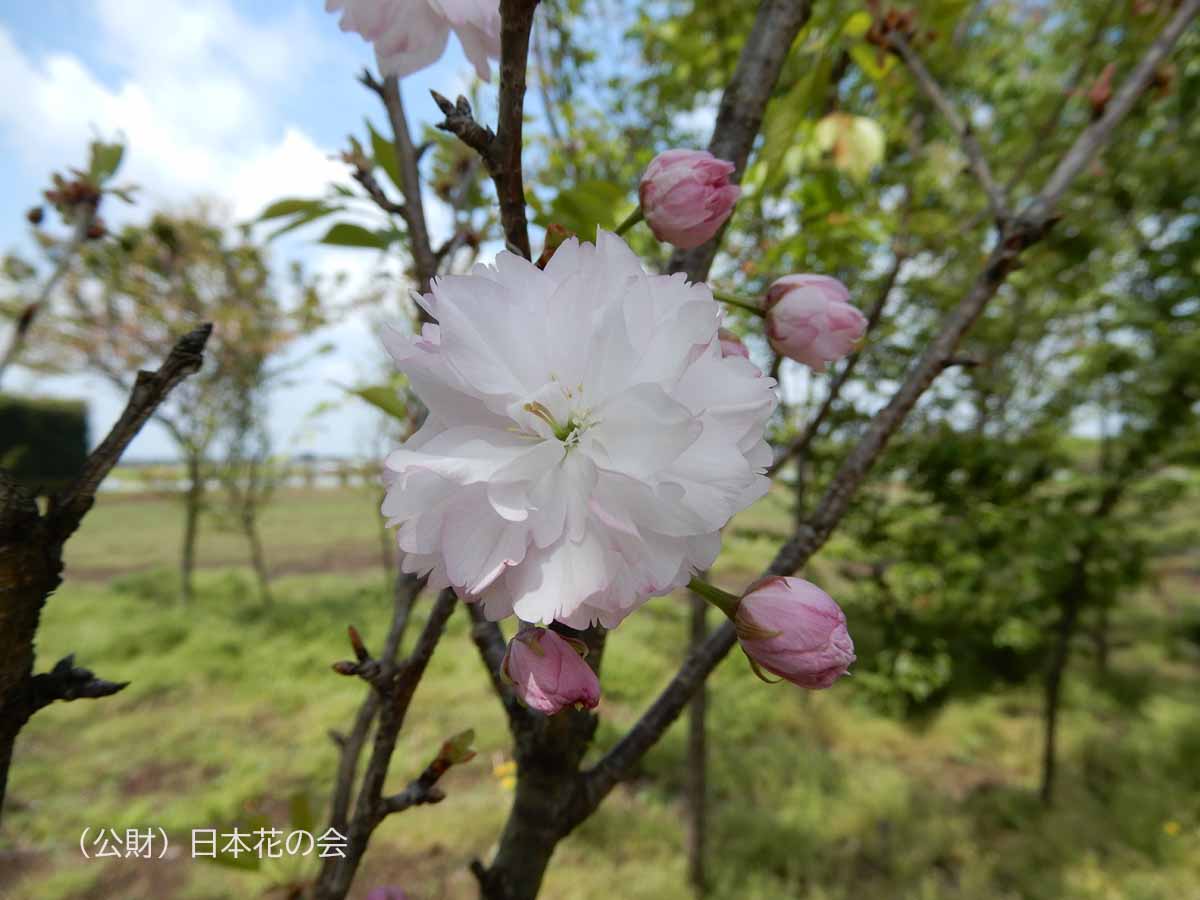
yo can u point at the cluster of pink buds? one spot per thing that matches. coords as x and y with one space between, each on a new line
686 196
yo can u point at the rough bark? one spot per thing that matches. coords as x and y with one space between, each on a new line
31 547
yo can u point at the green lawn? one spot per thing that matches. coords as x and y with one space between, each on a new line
814 796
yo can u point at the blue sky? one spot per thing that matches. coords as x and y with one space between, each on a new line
239 100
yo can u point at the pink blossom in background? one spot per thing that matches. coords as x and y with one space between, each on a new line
410 35
810 319
548 673
793 629
686 196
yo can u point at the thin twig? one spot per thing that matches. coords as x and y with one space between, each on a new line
966 134
396 685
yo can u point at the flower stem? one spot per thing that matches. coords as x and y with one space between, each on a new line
741 304
632 219
722 600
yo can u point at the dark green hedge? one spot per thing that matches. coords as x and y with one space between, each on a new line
43 441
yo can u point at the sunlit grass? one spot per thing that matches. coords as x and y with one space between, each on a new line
814 796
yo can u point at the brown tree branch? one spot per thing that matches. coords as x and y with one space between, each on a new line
395 685
1016 236
501 151
743 105
68 508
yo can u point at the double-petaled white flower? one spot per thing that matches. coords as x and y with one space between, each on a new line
586 439
409 35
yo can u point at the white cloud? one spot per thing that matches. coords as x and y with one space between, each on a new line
195 94
200 92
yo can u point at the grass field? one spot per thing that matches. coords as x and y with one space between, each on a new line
814 796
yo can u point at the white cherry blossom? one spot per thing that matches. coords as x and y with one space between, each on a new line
411 34
586 439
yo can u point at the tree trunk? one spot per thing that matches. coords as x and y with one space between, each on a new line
548 801
697 760
193 498
534 828
1101 641
1070 603
30 570
257 557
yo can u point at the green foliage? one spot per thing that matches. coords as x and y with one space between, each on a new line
43 442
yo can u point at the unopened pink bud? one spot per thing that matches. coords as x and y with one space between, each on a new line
793 629
548 673
731 344
686 196
387 893
810 319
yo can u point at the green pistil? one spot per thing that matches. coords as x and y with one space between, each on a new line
562 432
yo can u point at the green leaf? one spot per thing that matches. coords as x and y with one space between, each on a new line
588 205
384 398
290 206
384 152
346 234
105 158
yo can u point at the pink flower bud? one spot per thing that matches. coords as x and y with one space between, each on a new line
731 344
793 629
548 673
810 319
686 196
387 893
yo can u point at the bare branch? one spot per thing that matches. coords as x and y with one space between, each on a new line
501 151
424 263
423 789
966 135
460 122
375 191
67 682
395 687
149 391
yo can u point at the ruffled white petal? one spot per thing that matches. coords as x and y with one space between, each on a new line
586 441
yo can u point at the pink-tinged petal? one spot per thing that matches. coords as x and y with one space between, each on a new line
810 320
686 196
793 629
548 674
